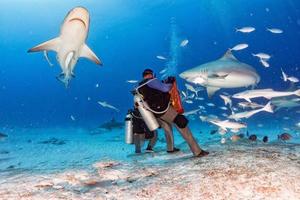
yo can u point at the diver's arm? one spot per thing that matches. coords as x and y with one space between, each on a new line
158 85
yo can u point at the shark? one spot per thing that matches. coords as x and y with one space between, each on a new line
226 124
285 102
3 136
70 44
225 72
247 114
112 124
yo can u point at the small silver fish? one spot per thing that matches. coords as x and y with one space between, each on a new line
264 63
293 79
189 101
262 56
184 43
211 104
72 118
223 108
275 30
161 57
132 81
163 71
247 29
184 94
199 98
239 47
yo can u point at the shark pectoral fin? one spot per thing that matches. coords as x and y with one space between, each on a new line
50 45
249 100
211 91
86 52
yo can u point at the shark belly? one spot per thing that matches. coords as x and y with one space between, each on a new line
73 36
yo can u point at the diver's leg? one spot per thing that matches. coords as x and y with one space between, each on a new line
152 141
171 116
142 139
181 123
137 143
168 133
188 136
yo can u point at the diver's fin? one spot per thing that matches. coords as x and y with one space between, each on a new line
50 45
211 91
86 52
228 55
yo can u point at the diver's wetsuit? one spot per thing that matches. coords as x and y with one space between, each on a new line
156 94
141 132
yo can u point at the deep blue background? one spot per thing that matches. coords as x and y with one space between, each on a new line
128 35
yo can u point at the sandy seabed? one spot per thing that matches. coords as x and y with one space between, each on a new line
239 171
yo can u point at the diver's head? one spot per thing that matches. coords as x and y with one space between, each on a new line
148 74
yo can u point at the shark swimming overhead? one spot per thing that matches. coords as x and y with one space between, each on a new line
70 44
226 72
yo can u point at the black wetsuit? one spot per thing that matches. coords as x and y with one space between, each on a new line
139 126
156 94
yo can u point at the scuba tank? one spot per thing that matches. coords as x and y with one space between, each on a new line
128 128
147 116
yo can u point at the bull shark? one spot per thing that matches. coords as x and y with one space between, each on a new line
226 72
285 102
112 124
266 93
247 114
226 124
3 136
70 44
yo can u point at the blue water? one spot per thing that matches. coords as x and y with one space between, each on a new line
127 36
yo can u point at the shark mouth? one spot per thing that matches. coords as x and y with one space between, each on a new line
78 19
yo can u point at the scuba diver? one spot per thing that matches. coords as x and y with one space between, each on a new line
156 95
142 133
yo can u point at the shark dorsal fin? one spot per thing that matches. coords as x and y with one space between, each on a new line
228 55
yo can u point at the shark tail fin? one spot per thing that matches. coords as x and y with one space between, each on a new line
50 45
268 108
86 52
297 92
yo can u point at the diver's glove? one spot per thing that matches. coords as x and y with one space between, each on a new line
170 79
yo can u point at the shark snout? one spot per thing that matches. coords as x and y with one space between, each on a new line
182 75
80 14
